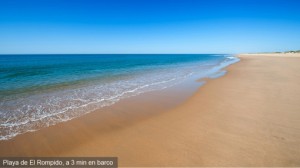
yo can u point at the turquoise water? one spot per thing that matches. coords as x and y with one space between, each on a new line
37 91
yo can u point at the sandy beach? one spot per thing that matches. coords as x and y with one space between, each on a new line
249 117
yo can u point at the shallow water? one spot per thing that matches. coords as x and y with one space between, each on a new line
41 90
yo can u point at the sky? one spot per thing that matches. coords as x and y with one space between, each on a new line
148 26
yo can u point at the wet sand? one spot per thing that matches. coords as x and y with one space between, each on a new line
249 117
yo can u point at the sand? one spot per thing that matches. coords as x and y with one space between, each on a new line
249 117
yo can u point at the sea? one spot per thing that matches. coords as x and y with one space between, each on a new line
38 91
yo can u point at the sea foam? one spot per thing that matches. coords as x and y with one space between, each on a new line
30 112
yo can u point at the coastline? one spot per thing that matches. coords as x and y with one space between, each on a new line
249 117
293 55
34 96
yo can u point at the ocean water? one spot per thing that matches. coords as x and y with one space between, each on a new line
38 91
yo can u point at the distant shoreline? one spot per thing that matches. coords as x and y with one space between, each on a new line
277 52
272 54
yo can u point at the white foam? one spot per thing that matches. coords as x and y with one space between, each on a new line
42 110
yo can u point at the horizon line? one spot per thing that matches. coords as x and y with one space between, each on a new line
106 53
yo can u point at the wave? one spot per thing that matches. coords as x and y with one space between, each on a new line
31 113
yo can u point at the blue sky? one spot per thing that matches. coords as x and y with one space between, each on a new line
148 26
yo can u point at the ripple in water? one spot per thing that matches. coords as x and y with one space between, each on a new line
45 107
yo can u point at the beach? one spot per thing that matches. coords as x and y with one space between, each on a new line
248 117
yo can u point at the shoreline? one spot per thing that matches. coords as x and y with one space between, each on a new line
25 110
293 55
246 118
